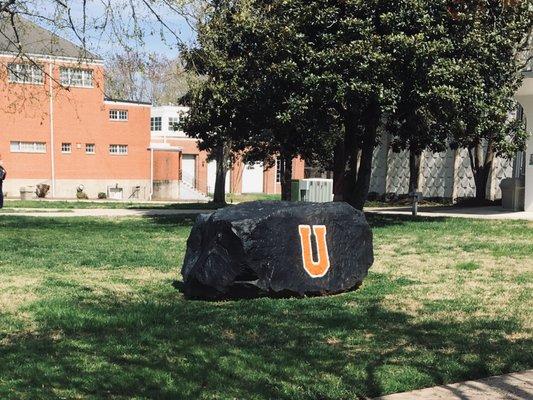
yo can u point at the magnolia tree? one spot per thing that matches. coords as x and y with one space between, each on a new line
487 38
254 56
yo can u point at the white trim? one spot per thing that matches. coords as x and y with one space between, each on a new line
165 147
44 57
158 134
33 151
93 146
126 103
119 148
69 145
118 115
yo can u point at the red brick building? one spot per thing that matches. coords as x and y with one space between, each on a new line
57 126
197 174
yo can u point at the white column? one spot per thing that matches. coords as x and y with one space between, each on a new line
528 201
525 98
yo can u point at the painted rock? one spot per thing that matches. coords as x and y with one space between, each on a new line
277 249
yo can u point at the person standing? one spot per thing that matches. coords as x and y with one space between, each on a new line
3 174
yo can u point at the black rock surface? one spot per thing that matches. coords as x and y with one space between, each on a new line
256 248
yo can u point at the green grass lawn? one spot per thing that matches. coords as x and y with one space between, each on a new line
87 310
241 198
11 205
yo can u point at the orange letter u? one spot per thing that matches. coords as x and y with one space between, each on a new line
319 268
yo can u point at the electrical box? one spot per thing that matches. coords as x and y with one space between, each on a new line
312 190
115 193
416 196
513 193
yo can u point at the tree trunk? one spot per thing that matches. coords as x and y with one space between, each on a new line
352 152
414 171
286 176
219 197
365 172
338 171
359 154
481 167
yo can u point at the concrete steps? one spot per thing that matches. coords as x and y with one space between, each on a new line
188 192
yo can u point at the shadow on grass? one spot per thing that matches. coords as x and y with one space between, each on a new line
385 220
159 346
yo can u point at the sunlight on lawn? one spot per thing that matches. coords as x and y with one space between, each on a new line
87 309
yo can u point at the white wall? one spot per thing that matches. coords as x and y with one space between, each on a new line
66 188
165 112
447 174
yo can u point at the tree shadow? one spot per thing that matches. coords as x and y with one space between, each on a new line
160 346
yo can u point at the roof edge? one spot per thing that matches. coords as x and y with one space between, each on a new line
48 57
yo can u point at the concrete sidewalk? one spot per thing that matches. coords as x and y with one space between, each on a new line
457 212
494 213
100 212
517 386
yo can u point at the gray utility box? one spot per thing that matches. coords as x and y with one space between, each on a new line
513 194
312 190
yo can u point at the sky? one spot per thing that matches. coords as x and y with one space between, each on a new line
148 35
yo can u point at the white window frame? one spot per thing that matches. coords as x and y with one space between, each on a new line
26 73
118 149
153 124
92 146
76 77
277 176
118 115
173 124
66 148
27 147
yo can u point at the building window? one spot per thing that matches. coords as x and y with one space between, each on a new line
173 124
66 147
76 77
90 148
278 170
118 149
155 124
25 73
118 115
28 147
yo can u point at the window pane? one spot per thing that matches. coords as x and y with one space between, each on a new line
25 73
76 77
27 147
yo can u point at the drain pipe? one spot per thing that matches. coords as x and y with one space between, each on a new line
52 143
151 172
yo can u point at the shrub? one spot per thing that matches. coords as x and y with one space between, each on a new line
102 196
80 194
42 190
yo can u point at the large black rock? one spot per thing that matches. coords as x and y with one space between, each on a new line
277 248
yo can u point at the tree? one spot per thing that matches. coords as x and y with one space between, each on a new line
487 37
146 77
215 100
254 52
211 120
353 43
419 120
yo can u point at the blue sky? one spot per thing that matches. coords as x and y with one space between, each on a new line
154 38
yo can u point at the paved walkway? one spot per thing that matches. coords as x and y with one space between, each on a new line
99 212
474 212
459 212
518 386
